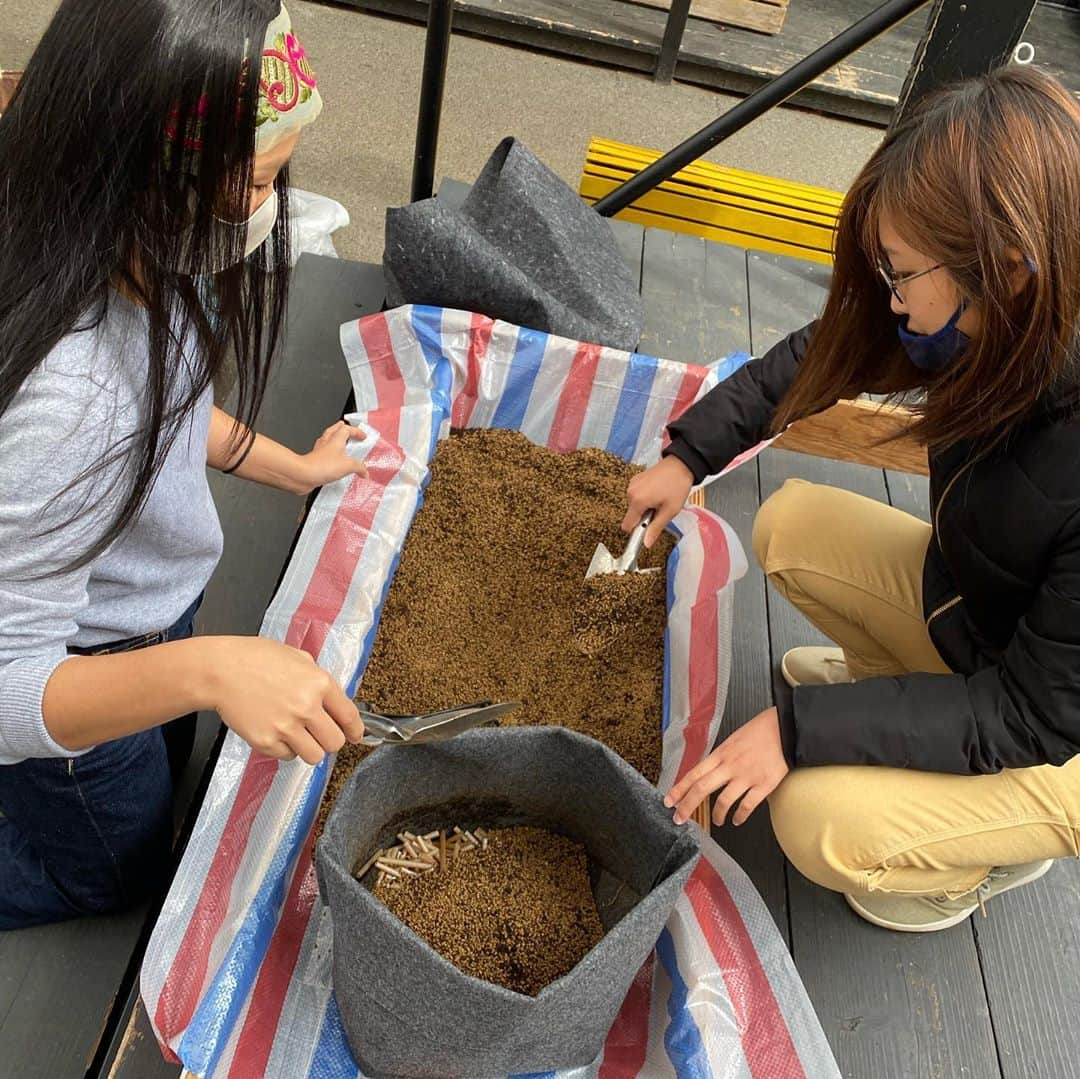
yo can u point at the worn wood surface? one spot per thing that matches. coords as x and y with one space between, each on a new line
759 15
855 431
865 86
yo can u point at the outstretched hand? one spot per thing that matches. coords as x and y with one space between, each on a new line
747 765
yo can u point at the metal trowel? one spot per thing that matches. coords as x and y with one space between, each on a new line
603 561
431 727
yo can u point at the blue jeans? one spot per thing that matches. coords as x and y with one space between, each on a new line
91 834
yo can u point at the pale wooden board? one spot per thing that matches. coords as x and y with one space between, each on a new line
759 15
854 431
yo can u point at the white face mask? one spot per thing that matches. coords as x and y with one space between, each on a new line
261 223
257 228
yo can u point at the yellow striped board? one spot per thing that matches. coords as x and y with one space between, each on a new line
761 213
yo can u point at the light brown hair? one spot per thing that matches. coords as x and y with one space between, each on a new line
980 167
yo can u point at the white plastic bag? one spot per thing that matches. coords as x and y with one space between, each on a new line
314 218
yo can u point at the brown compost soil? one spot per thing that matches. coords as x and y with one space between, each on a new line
519 913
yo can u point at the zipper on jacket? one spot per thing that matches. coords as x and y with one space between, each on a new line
941 502
943 608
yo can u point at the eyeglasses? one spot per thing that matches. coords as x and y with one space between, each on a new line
888 275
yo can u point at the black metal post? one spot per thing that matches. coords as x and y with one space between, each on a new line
773 93
674 29
963 39
436 52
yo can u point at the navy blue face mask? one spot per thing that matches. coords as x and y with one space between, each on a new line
934 351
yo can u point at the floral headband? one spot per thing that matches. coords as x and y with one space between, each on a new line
288 93
289 97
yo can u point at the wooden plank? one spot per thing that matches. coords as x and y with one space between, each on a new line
892 1004
759 15
137 1054
631 241
58 990
694 293
695 310
854 431
307 390
1029 944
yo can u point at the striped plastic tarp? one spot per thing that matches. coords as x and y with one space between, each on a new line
237 977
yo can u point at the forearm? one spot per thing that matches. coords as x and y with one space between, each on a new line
266 461
94 699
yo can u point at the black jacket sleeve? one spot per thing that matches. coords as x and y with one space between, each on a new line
1022 711
735 416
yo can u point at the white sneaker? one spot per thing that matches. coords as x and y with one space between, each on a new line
927 913
812 665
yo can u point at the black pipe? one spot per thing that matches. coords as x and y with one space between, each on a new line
771 94
436 52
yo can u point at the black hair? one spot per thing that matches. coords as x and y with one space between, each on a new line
130 137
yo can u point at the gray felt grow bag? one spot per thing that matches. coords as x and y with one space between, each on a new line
409 1012
523 248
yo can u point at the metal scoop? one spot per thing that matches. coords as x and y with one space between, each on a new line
603 561
381 730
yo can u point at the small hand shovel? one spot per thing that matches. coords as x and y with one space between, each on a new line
432 727
604 562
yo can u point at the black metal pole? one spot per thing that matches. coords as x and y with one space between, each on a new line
963 39
436 52
771 94
674 29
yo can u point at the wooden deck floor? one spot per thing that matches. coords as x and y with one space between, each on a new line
994 997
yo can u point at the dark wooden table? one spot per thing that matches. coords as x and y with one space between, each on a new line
994 997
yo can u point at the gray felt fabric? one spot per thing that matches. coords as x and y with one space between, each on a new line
409 1012
524 248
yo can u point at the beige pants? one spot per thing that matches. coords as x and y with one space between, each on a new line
853 566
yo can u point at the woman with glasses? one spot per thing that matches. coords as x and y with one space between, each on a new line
928 761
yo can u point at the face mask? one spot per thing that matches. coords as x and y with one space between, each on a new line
934 351
257 227
260 224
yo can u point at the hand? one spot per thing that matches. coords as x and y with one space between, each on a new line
663 488
329 458
749 764
277 699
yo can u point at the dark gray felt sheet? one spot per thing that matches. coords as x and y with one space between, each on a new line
524 248
409 1012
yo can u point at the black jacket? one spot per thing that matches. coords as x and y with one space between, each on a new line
1001 594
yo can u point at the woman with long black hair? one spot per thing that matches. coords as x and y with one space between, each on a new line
143 169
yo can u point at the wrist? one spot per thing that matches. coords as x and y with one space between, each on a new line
299 477
679 468
198 669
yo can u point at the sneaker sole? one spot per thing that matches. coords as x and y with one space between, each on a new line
787 675
953 919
